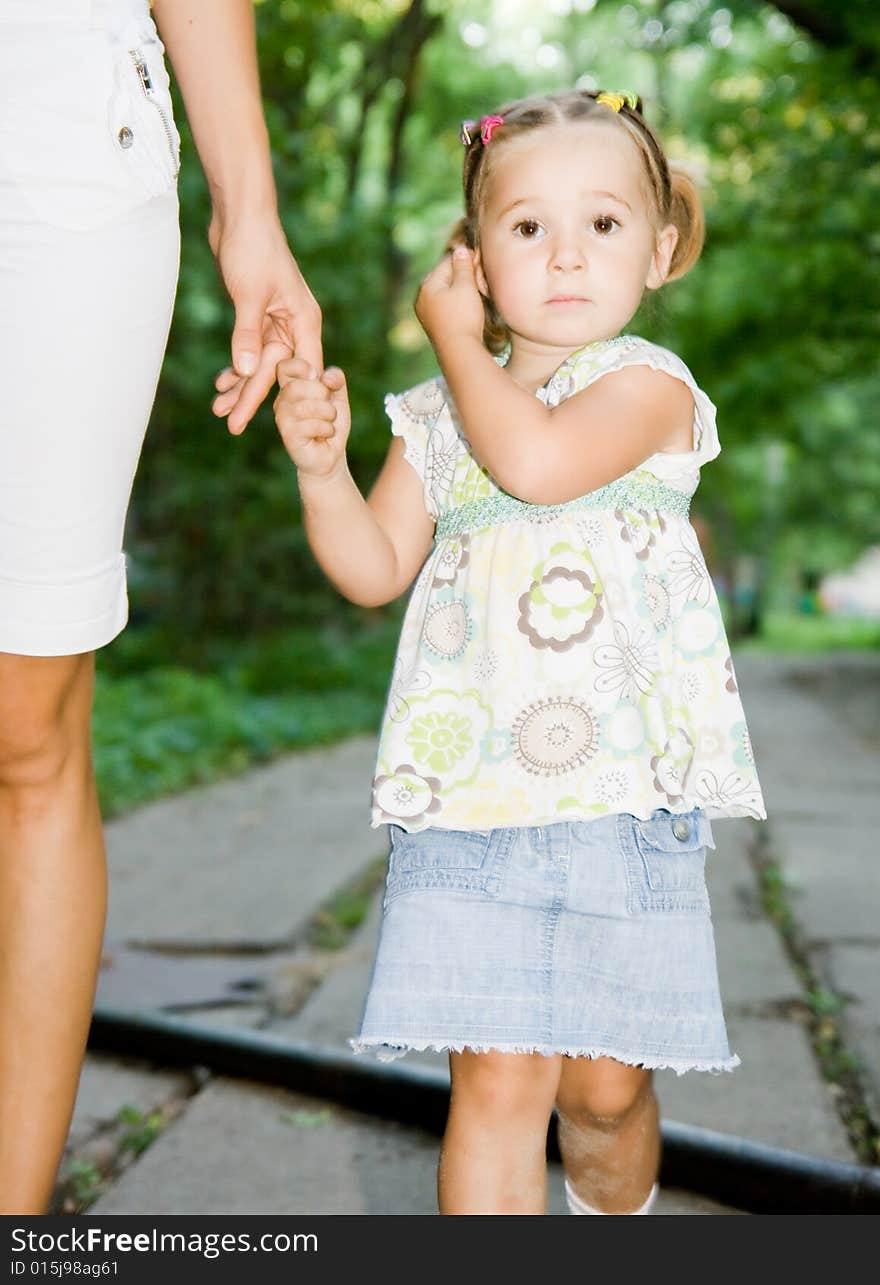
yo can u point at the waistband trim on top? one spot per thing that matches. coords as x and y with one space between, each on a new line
500 508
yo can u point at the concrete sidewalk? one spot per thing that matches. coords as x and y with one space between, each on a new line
213 902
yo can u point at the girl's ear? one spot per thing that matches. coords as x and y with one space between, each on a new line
662 257
482 283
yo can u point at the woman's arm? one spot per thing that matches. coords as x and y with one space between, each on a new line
543 455
370 549
211 44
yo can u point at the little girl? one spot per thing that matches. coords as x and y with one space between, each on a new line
564 718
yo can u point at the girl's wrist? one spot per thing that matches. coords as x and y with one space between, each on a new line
322 483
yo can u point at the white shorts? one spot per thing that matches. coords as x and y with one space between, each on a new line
89 255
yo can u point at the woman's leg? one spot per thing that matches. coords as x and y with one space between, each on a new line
609 1133
52 907
493 1159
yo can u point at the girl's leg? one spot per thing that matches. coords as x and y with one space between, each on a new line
52 907
609 1133
493 1159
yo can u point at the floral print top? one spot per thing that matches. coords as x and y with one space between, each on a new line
560 662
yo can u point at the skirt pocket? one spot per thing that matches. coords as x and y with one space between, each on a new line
666 862
462 860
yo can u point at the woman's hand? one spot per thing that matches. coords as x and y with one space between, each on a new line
275 315
313 418
448 302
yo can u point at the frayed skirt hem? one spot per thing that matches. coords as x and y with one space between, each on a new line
390 1050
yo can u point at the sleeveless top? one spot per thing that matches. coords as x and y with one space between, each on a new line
560 662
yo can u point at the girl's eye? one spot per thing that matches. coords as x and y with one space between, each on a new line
528 228
605 224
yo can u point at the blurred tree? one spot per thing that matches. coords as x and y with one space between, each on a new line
775 105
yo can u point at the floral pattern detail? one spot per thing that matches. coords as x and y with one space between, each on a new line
629 664
735 795
591 531
440 740
742 754
711 743
552 736
623 731
730 685
495 746
452 557
584 664
672 766
640 529
563 604
448 629
698 629
688 573
657 601
486 665
404 680
612 785
406 796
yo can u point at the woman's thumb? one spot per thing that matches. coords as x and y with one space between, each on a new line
247 339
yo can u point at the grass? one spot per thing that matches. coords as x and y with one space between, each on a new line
789 631
164 729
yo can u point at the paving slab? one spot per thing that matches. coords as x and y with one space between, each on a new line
242 1148
107 1084
776 1096
854 971
245 861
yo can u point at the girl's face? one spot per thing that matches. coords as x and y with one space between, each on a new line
568 241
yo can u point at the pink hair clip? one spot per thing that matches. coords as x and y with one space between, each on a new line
488 126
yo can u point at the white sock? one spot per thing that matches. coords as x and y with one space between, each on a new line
578 1206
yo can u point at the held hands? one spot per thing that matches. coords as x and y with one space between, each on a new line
275 315
313 418
448 303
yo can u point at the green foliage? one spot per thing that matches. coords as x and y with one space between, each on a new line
139 1130
168 728
779 321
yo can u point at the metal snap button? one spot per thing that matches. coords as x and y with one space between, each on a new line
681 829
125 137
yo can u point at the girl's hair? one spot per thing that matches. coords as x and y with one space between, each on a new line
672 192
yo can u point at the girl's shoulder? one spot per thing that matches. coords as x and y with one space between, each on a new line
418 406
601 358
593 361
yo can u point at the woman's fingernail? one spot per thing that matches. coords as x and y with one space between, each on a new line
460 252
247 363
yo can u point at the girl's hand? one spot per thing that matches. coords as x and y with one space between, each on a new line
275 314
313 417
448 302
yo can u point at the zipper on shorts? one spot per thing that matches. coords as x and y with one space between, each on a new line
149 93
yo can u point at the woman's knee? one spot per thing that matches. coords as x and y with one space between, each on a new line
45 715
603 1095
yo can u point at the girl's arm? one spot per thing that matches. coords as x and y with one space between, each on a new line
539 454
370 549
212 47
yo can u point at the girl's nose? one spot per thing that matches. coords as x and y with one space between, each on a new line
567 256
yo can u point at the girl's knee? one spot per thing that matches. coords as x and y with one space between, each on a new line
603 1095
504 1086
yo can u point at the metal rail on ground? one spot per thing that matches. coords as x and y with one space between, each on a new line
736 1171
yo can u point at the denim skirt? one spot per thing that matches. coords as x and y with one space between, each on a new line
585 938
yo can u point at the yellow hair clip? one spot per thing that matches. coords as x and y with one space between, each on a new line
614 100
